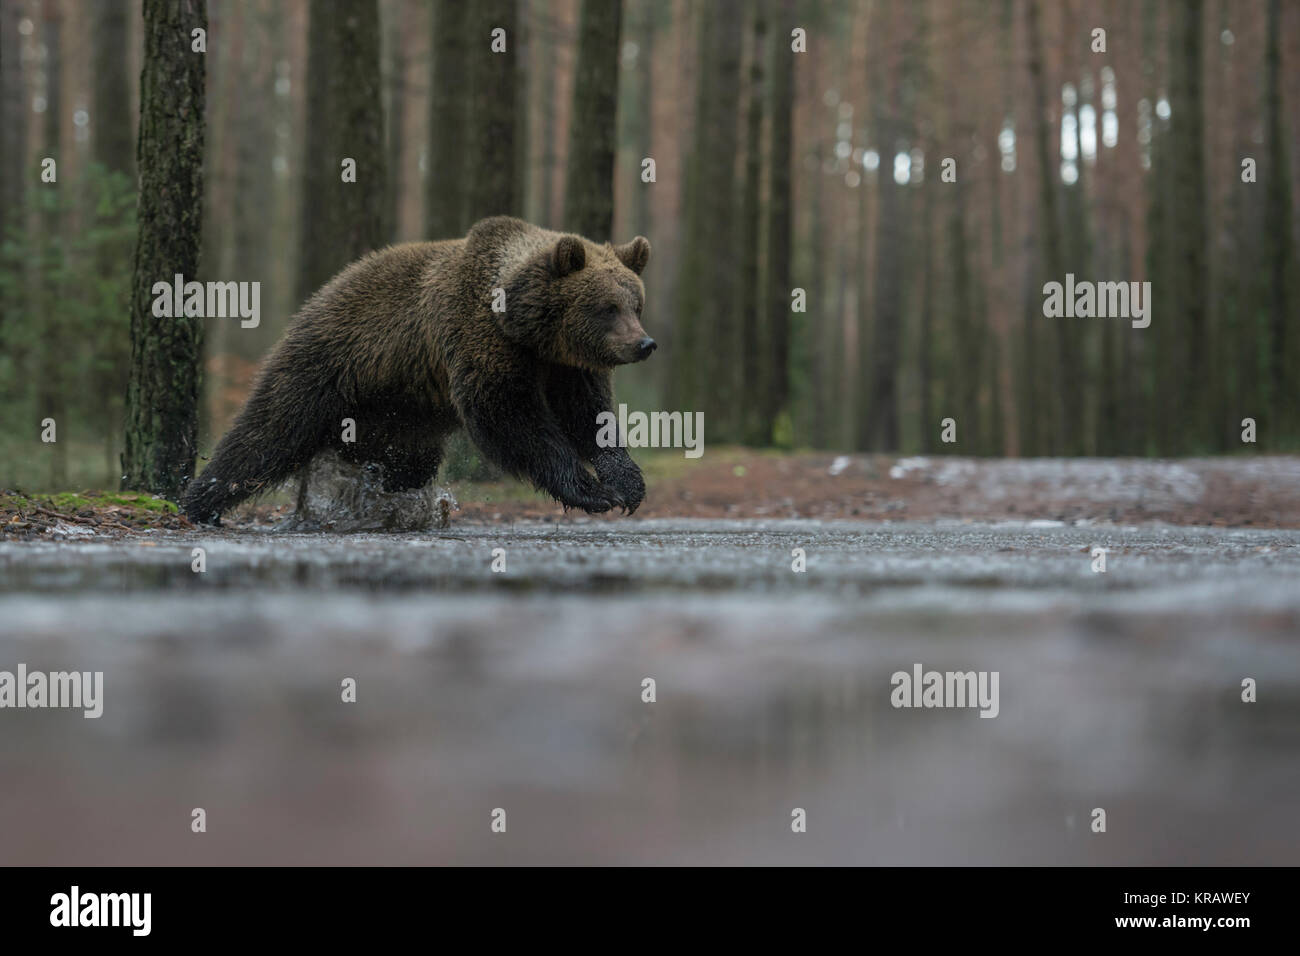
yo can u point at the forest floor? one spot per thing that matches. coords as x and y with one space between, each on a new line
1255 492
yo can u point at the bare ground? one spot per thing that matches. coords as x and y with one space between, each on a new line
1257 492
1225 492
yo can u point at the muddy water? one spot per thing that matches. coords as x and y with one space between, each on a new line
522 689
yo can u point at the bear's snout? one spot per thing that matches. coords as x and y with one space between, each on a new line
634 349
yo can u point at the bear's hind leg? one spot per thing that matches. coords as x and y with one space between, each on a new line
270 439
406 453
412 460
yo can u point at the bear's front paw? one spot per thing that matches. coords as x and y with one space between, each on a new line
630 487
623 477
593 497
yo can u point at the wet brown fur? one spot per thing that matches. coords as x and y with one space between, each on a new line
405 342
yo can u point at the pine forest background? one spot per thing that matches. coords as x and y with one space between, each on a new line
774 170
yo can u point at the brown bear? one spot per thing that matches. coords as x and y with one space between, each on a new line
511 333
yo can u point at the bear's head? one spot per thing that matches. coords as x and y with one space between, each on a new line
579 304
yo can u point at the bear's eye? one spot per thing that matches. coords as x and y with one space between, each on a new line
610 312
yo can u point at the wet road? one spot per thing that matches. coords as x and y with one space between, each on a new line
522 689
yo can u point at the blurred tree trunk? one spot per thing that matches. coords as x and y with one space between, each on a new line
320 166
345 121
252 254
704 343
494 185
53 395
1003 190
1129 400
111 116
111 123
445 181
640 123
1284 324
1187 233
225 72
396 95
1161 363
880 427
752 341
545 70
163 394
14 173
1066 427
593 128
1077 240
780 149
925 361
968 338
13 112
825 337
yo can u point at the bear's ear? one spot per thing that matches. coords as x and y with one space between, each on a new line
634 254
568 256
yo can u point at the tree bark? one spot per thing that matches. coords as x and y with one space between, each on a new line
342 220
589 186
1284 347
112 94
52 393
755 429
444 202
1067 424
704 340
493 187
779 219
162 399
13 137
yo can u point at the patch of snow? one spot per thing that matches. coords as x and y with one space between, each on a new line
65 530
906 465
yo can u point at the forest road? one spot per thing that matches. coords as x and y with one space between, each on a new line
528 690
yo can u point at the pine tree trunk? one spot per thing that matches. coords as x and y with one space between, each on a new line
112 93
1284 324
395 100
163 394
642 120
342 220
1065 386
493 187
589 185
13 116
52 394
13 134
705 351
881 424
1187 236
318 163
779 218
113 150
752 396
444 202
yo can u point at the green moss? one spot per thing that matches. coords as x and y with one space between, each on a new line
69 502
14 502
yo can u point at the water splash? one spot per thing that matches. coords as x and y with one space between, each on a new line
334 495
